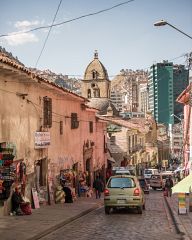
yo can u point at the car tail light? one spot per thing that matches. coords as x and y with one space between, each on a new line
106 192
136 192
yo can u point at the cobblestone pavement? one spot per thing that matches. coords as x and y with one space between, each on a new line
184 221
153 224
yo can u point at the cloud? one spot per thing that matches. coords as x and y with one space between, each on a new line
23 38
26 24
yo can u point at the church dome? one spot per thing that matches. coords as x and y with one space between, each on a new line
103 105
95 70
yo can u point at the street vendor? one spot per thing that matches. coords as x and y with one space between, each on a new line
16 201
20 206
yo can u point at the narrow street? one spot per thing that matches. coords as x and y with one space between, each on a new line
154 223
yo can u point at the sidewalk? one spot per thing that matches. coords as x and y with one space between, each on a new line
183 222
45 219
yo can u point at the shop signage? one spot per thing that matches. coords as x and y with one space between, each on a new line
42 139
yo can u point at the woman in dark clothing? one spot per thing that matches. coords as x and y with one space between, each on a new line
16 201
68 194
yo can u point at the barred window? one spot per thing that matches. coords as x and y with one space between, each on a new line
61 127
74 121
47 112
90 127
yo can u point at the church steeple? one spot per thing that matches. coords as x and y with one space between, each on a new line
95 54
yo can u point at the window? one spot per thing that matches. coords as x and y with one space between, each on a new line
74 121
96 93
90 127
47 112
89 93
95 74
121 183
61 127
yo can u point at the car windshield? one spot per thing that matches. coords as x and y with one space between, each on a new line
121 183
148 171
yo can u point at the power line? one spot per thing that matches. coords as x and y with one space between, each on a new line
48 33
71 20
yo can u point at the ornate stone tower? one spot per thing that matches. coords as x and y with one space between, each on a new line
96 87
96 82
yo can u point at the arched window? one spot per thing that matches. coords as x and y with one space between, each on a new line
89 93
95 74
96 93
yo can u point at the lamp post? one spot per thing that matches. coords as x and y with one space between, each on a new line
163 23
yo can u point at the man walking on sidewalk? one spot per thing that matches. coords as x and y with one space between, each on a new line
98 186
168 186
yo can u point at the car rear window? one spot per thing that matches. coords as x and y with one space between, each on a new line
121 183
148 171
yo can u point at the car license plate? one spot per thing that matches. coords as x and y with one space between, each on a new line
120 201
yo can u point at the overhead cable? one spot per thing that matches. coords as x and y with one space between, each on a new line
48 34
71 20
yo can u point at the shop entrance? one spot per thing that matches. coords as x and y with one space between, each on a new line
41 173
88 171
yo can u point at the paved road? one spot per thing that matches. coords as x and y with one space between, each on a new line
153 224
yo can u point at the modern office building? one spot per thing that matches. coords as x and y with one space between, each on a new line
117 99
166 82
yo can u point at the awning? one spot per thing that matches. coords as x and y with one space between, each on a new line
183 186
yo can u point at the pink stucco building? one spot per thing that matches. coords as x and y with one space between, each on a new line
46 129
186 99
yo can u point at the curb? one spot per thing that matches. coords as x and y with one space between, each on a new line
178 226
63 223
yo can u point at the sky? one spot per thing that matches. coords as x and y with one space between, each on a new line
125 37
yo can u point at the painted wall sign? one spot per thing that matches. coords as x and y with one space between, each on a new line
42 140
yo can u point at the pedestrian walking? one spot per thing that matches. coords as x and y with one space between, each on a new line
98 186
168 186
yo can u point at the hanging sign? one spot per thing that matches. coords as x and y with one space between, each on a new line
42 140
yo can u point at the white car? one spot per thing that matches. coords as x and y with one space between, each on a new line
149 172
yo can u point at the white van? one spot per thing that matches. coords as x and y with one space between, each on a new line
148 172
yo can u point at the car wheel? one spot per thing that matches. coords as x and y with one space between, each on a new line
107 210
139 210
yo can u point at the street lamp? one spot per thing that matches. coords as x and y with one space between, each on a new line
163 23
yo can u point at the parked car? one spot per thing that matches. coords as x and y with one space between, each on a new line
123 191
144 185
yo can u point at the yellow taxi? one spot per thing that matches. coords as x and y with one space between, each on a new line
123 191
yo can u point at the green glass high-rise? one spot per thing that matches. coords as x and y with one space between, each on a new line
166 82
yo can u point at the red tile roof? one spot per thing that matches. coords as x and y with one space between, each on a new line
10 62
